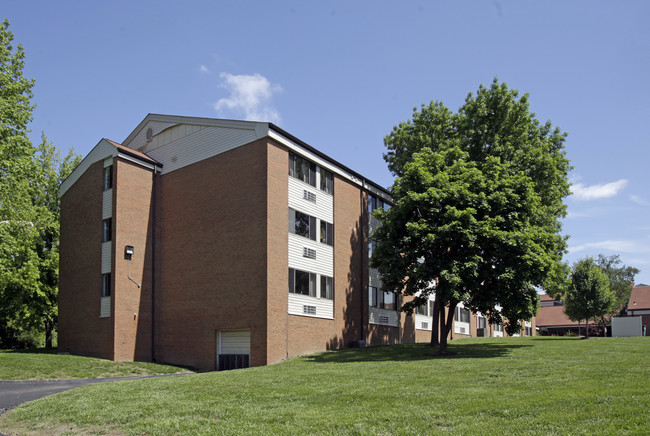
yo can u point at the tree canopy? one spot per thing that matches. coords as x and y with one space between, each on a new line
29 208
478 199
589 296
621 281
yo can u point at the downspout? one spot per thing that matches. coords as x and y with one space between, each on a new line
153 260
362 340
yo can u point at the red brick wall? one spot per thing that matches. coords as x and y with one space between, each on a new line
211 256
350 265
81 330
133 226
277 240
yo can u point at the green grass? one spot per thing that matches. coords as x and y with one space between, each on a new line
46 364
493 386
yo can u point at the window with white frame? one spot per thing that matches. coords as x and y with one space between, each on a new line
498 327
462 314
302 282
326 287
326 181
381 299
302 169
481 322
461 321
326 233
302 224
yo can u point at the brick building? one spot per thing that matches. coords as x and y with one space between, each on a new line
217 244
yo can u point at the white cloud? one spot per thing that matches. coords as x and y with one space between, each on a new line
250 95
203 69
639 200
611 245
594 192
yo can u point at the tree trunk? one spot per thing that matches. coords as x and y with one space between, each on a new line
435 327
587 328
445 326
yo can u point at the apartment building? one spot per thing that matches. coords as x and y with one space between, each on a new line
220 244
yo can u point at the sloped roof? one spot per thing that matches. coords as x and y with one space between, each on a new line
134 153
639 298
553 316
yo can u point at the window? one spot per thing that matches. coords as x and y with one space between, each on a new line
326 287
390 301
371 247
382 300
326 233
529 331
106 285
462 314
302 282
480 322
372 296
375 203
326 181
498 327
302 169
107 229
422 310
302 224
108 177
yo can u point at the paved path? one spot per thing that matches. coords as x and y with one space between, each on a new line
13 393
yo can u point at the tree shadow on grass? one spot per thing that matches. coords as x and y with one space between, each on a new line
51 350
413 352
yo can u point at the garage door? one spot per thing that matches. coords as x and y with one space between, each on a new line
233 349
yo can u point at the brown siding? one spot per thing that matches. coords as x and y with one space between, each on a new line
212 251
81 330
132 225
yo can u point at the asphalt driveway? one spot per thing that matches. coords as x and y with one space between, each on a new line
13 393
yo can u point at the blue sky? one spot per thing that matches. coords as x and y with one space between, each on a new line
340 74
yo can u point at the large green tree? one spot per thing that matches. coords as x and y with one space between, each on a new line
29 209
478 199
621 281
589 296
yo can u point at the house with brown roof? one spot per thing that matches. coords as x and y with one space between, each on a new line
639 304
552 321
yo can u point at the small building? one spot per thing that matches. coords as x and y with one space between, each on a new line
639 305
552 321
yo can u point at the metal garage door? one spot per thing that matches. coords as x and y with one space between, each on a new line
233 349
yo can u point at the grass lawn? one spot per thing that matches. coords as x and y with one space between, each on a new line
45 364
493 386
